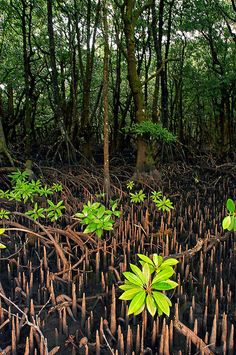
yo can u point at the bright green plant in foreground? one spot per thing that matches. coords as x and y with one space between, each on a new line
162 203
142 286
97 218
229 222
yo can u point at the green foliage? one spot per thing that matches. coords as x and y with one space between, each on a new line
130 185
56 187
97 218
150 129
156 196
2 231
164 204
36 213
54 211
4 214
113 202
142 286
45 191
18 176
137 197
229 222
25 190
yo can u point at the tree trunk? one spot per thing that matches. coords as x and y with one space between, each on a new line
58 112
105 103
144 160
3 144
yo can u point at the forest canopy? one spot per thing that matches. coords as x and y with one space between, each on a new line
169 62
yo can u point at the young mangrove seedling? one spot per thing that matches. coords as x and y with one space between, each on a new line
137 197
97 218
142 287
229 222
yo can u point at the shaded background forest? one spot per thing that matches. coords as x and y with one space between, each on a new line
171 62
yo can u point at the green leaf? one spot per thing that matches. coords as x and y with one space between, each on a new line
2 230
230 205
100 212
79 215
140 310
157 259
129 294
165 285
134 279
138 272
146 273
161 302
163 275
226 222
169 262
99 232
231 226
90 228
126 287
145 258
137 302
151 306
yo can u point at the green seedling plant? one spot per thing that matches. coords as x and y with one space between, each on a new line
45 191
97 218
162 203
229 222
24 190
130 185
36 213
54 211
4 214
113 202
142 286
156 196
137 197
18 176
56 187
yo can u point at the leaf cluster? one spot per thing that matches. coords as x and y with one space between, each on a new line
142 286
229 222
97 218
162 203
137 197
53 212
4 214
150 129
24 190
